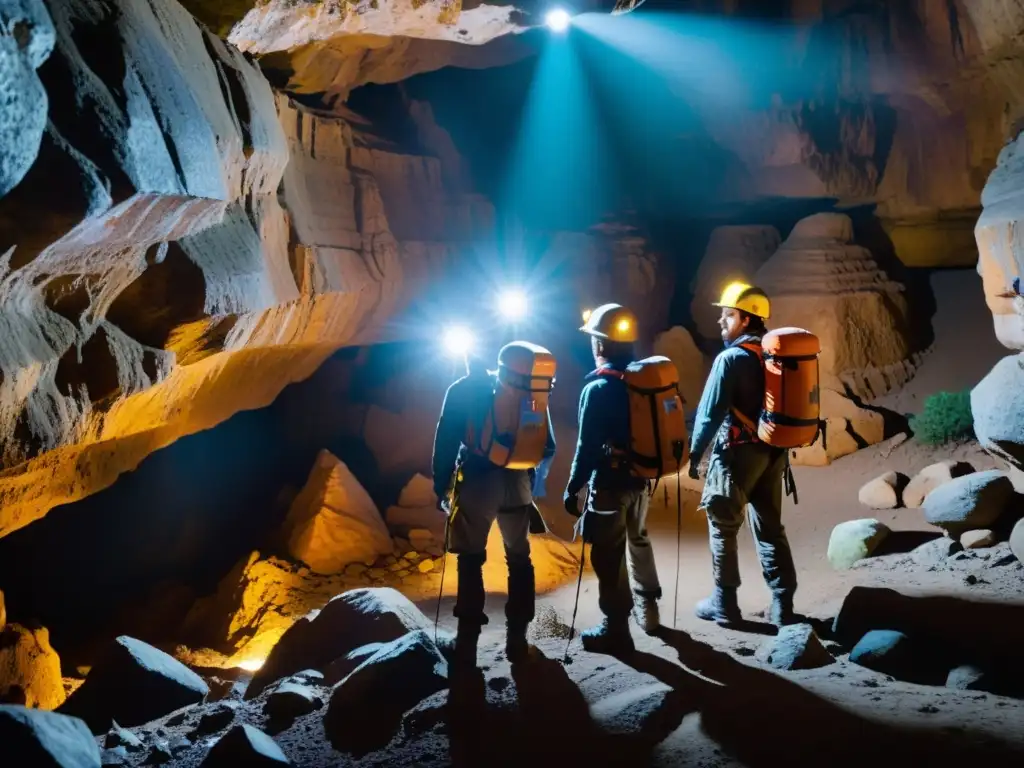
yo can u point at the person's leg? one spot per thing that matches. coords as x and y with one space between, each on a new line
607 535
519 609
722 504
640 557
478 505
773 550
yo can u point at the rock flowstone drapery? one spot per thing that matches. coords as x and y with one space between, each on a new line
152 284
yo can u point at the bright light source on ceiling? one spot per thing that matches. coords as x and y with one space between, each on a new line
557 20
512 304
458 341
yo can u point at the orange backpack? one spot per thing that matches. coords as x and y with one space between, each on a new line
514 432
657 423
791 414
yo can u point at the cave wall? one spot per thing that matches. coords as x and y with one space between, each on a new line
165 261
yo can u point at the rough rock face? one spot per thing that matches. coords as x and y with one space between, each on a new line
1000 252
733 253
848 428
158 291
820 281
678 346
29 668
333 521
997 405
46 738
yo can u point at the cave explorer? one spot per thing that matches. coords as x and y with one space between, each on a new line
615 519
486 492
742 472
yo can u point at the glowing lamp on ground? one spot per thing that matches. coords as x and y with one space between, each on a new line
557 20
512 304
458 341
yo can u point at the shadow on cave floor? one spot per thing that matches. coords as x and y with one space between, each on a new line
902 542
763 719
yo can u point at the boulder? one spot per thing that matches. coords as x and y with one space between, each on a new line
1017 540
968 677
215 719
678 346
972 501
881 493
290 700
733 253
848 428
121 737
245 745
333 521
795 647
29 668
348 621
854 540
115 756
627 710
133 683
820 280
32 737
930 478
367 706
978 539
418 492
997 405
894 653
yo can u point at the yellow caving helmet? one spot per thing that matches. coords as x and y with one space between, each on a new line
612 322
745 298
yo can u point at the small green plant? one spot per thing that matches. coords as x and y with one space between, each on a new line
945 418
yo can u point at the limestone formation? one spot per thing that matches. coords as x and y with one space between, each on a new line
881 493
33 737
977 500
333 521
678 346
26 39
29 668
930 478
732 253
1000 253
133 683
854 540
819 280
366 707
352 619
166 288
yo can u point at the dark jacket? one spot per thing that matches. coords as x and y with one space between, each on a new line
466 399
736 381
603 420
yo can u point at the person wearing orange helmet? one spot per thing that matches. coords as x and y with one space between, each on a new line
742 471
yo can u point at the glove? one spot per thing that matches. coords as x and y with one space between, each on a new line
572 504
694 469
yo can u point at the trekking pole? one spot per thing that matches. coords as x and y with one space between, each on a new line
579 581
444 565
679 450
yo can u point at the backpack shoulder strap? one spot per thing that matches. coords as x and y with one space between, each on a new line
755 349
610 373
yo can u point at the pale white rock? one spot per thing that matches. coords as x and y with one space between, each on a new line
930 478
880 493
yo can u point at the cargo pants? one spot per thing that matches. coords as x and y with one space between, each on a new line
488 494
748 476
616 527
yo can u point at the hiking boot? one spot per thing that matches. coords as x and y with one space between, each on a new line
647 615
781 613
517 649
721 607
608 637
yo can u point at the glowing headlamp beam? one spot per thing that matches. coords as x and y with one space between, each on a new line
512 304
458 341
557 20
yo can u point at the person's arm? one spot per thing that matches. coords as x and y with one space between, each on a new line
590 443
715 403
448 436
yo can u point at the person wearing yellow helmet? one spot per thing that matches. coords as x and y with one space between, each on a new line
614 521
742 471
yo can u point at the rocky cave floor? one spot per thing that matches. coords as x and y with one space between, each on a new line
697 695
